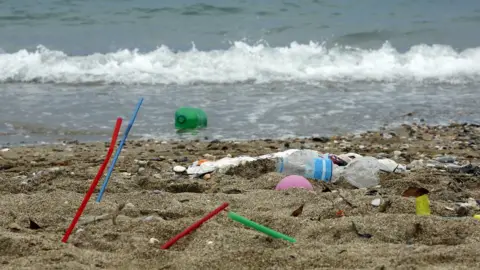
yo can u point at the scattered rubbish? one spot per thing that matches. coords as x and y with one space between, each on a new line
33 225
477 217
298 211
414 192
190 118
95 181
307 163
194 226
362 172
119 150
422 205
340 213
376 202
310 164
470 204
5 150
260 228
294 181
349 157
363 235
337 160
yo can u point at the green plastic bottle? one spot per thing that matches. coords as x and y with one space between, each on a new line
190 118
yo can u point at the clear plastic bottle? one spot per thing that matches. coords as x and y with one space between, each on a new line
362 172
295 163
307 163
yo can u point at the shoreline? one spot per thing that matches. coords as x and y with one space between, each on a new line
46 184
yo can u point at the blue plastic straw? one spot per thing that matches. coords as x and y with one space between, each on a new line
119 149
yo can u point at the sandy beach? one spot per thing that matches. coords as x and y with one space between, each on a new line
45 184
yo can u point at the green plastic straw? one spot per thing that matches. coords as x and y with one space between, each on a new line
258 227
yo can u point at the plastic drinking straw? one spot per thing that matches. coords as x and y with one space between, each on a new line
259 227
95 180
119 150
194 226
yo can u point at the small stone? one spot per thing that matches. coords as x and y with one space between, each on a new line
153 241
207 176
79 231
141 169
129 205
209 242
208 156
446 159
387 136
126 174
5 150
179 169
141 162
376 202
397 153
361 146
14 227
157 176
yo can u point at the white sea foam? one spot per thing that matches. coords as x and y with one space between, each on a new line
311 62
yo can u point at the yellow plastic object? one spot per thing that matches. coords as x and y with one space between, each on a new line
423 205
477 217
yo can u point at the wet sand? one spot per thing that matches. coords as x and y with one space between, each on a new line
46 184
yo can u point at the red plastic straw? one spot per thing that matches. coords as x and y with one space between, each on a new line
194 226
95 181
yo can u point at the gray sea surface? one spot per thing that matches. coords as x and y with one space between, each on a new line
260 69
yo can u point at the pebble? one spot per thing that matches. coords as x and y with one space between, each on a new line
141 162
129 205
141 169
5 150
153 241
386 136
207 176
397 153
446 159
152 218
126 174
376 202
157 176
14 227
179 169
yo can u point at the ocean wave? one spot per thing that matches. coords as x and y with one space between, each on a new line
241 62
